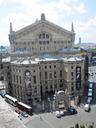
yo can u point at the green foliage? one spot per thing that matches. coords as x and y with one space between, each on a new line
77 125
82 126
91 126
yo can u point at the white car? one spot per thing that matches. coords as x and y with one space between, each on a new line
91 85
90 90
58 115
89 100
89 94
62 113
87 107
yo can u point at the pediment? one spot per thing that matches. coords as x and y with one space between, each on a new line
30 31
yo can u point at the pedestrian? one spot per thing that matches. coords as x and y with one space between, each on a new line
40 118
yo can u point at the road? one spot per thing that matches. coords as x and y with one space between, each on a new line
49 120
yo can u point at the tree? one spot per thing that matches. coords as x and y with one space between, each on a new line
82 126
91 126
77 125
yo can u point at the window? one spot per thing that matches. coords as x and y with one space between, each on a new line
40 75
51 87
47 36
54 74
50 66
54 66
45 66
72 74
60 73
43 42
55 86
40 36
34 79
2 78
60 80
45 75
61 85
46 82
50 75
40 42
35 90
72 67
46 87
1 66
72 88
20 79
43 35
72 83
14 78
17 79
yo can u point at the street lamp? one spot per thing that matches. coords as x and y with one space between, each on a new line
54 98
49 103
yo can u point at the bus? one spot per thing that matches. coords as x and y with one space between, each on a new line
11 100
24 107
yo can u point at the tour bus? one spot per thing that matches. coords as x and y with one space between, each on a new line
24 107
11 100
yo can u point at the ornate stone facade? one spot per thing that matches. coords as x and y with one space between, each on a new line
35 75
41 37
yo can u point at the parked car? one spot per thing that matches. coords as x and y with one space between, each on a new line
90 90
87 107
90 94
72 110
24 114
58 115
89 100
2 93
91 85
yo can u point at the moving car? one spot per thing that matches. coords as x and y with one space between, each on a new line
58 115
87 107
72 110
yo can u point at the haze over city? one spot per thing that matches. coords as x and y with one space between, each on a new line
61 12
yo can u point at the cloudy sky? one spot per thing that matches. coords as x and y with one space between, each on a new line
61 12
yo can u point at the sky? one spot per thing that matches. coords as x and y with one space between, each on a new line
82 13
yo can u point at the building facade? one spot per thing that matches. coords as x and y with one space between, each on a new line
37 68
32 78
41 37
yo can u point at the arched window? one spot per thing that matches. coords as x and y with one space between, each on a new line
43 36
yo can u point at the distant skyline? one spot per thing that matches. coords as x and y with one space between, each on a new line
61 12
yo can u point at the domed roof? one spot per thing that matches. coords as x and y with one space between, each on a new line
3 49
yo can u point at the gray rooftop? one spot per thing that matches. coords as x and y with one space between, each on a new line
37 60
7 117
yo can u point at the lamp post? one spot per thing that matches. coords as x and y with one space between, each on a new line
49 103
53 105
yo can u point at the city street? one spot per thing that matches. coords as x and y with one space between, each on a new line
49 120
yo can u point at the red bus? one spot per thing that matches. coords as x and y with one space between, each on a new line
24 107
